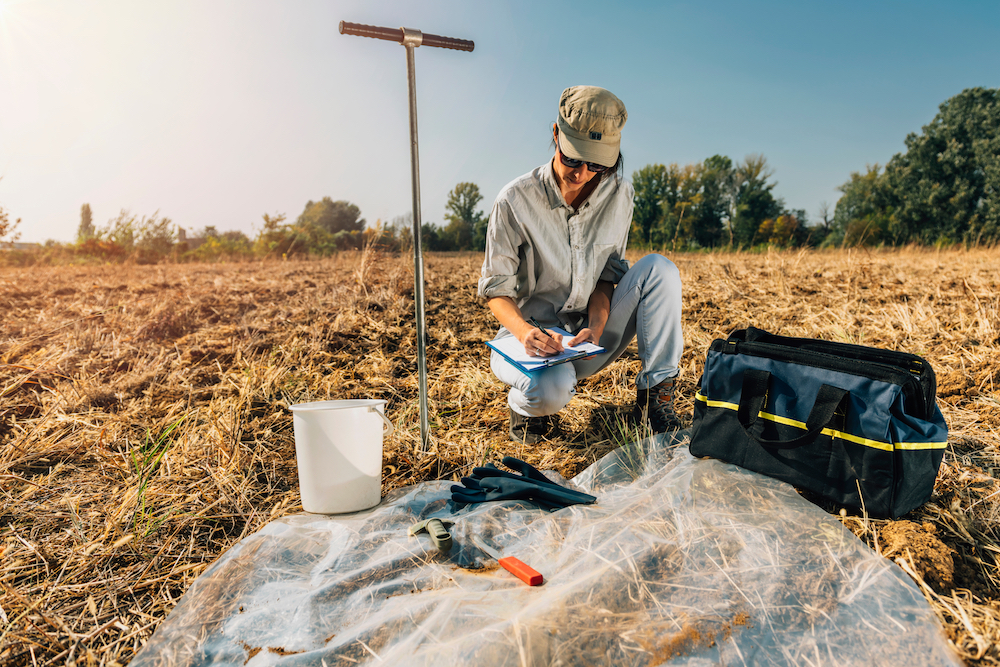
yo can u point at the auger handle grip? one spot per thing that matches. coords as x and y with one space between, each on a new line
448 42
396 35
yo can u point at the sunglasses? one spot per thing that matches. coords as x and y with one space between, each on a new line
573 164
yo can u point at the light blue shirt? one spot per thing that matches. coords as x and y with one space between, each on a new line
548 256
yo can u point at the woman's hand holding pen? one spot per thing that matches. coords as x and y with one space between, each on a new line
538 342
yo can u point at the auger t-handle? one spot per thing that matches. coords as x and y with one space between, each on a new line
411 39
396 35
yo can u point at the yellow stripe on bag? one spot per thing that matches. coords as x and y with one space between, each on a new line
921 445
875 444
716 404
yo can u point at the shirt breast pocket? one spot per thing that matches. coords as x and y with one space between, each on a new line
602 252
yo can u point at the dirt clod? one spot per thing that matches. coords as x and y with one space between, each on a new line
919 546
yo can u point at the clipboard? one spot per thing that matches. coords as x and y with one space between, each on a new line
510 348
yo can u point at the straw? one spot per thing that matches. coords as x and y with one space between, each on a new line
103 530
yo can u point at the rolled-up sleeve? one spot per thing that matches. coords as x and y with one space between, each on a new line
615 269
503 240
498 286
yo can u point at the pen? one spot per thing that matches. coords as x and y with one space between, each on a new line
534 322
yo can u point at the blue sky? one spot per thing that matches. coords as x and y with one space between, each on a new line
214 112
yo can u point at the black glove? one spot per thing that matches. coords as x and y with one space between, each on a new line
491 483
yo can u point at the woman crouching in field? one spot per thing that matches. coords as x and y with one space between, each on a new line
554 253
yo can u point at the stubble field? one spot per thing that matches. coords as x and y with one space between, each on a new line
144 426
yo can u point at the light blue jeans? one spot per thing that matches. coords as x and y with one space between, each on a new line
646 304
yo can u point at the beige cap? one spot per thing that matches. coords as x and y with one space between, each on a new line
590 124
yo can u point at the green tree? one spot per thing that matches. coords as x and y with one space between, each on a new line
155 234
650 184
466 228
780 231
431 238
275 237
709 204
400 229
120 230
237 237
824 226
946 186
716 197
754 202
680 206
331 216
86 229
805 233
862 216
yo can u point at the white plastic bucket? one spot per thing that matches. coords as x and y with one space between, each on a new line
338 447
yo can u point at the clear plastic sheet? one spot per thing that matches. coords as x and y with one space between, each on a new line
681 562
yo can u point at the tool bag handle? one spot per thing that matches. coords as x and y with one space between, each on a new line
396 35
754 397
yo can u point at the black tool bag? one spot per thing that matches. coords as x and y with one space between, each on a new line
857 425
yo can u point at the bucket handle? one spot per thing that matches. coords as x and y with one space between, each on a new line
389 428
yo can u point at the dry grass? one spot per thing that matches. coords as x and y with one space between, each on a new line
144 425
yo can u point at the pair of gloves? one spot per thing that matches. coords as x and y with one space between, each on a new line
491 483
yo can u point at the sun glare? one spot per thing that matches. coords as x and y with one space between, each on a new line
8 11
7 5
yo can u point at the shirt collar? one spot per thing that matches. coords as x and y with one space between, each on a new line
551 187
554 194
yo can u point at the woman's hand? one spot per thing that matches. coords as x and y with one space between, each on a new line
586 336
598 309
539 344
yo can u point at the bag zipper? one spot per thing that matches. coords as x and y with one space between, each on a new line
875 370
913 363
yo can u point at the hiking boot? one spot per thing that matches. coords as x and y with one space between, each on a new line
655 406
529 430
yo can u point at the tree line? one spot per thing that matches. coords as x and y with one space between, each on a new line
944 189
324 227
713 204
